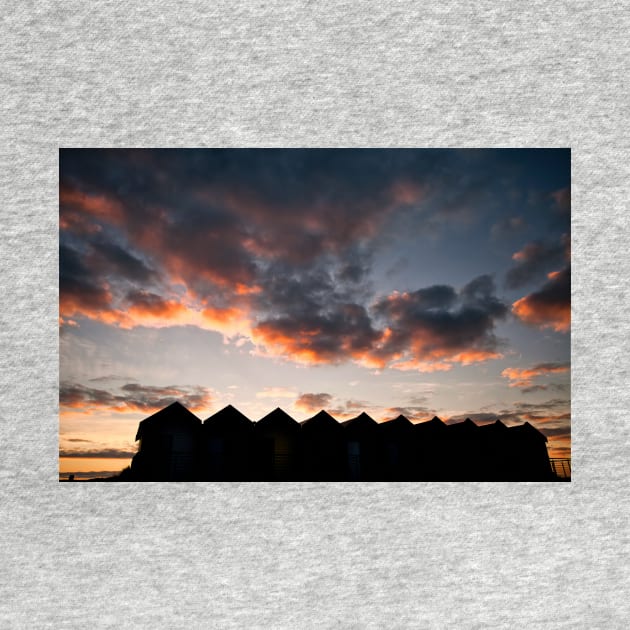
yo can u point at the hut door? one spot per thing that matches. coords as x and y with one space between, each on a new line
217 450
354 460
281 456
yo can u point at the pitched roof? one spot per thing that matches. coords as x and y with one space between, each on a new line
494 428
434 425
277 419
362 421
467 427
321 420
228 418
400 423
528 431
174 414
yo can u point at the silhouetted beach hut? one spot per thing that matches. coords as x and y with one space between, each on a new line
361 446
528 454
463 451
277 438
397 449
227 446
168 445
494 451
431 446
323 452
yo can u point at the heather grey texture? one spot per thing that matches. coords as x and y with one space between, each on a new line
314 74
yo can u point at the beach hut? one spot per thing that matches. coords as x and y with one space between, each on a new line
431 448
168 443
494 451
397 454
322 448
464 454
529 459
277 443
227 446
361 448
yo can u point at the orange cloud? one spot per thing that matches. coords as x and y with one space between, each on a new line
96 205
422 366
229 321
273 342
313 402
522 377
406 192
468 357
554 316
549 307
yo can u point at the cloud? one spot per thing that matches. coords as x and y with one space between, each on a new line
414 413
313 402
80 291
276 247
107 453
433 328
523 377
479 418
109 257
550 306
132 397
507 226
330 335
562 199
276 392
535 260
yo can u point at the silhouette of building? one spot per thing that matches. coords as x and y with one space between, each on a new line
432 454
169 440
228 446
529 460
277 437
323 448
494 452
361 437
398 450
464 451
175 446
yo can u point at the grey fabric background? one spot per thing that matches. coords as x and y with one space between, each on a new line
313 74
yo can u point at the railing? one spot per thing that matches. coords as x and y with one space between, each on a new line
561 468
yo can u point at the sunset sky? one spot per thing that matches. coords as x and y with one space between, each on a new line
423 282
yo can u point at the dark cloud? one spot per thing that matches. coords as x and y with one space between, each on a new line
133 397
534 388
507 226
329 334
110 258
562 199
109 377
80 290
479 418
535 260
558 387
438 324
550 306
108 453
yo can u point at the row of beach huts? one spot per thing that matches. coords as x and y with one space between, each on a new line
175 445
